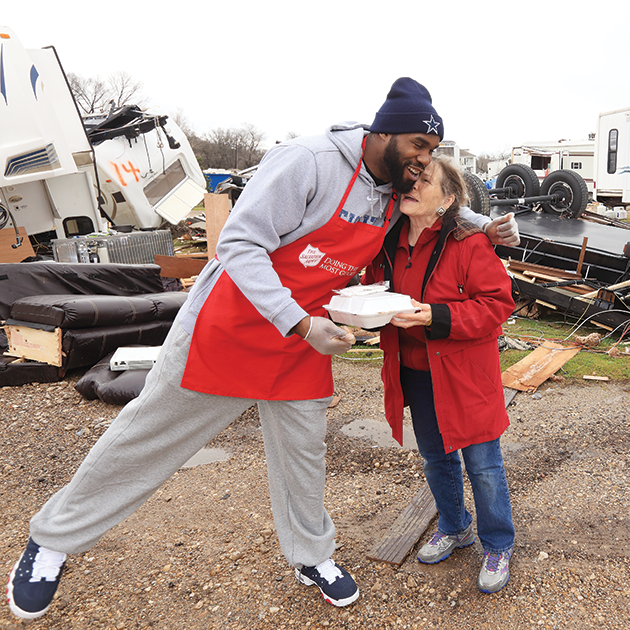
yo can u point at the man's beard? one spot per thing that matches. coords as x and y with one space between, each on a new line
396 168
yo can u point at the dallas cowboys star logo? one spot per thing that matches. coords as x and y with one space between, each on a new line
432 125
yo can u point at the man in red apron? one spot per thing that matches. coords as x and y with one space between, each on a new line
253 330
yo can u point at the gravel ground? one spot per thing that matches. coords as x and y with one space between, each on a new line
202 552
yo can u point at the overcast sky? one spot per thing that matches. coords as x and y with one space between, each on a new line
501 73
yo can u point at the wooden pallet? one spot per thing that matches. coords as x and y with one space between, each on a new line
406 531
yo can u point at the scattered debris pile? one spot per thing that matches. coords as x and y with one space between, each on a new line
59 317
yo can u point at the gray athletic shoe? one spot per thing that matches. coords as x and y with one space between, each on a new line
441 546
495 571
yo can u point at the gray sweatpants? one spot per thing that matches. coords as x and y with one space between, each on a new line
166 425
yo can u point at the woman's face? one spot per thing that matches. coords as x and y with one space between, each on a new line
426 196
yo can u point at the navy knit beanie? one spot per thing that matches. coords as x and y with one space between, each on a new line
408 109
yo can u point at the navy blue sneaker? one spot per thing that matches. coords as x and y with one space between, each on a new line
336 584
34 580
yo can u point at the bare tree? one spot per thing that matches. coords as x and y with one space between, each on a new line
125 90
93 94
228 148
90 94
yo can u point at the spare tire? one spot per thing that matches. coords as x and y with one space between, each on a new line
571 191
520 179
477 194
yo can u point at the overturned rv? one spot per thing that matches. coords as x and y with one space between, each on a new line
62 176
567 259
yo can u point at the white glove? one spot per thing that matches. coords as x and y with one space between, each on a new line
327 338
503 231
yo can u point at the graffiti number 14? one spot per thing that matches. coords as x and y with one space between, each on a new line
128 168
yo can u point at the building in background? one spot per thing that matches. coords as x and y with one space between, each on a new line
466 160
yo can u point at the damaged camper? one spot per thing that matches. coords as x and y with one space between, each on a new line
63 176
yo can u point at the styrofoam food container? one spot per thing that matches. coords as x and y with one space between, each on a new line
367 306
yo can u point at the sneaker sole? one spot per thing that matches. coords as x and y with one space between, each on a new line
447 555
15 609
483 590
335 602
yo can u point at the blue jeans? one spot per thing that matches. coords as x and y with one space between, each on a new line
484 465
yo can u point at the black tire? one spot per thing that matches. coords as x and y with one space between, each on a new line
478 196
520 179
572 191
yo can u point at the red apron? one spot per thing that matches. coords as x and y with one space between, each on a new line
236 352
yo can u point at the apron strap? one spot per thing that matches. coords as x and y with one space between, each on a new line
390 206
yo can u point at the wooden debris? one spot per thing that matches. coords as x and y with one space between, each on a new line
401 537
217 209
529 373
35 344
552 272
612 287
373 341
369 350
334 402
7 239
582 252
508 395
589 377
179 266
546 304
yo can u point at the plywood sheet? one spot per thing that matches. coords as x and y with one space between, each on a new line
529 373
217 210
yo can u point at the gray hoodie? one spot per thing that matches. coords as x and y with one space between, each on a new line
297 188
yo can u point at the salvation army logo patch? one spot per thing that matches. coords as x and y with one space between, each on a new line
311 256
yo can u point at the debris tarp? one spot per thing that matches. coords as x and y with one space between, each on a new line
18 280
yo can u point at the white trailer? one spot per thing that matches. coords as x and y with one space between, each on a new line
612 162
546 157
61 178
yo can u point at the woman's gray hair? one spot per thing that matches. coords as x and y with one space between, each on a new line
452 183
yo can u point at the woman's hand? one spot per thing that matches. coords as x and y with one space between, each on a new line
422 316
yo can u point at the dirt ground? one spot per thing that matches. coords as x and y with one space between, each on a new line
202 552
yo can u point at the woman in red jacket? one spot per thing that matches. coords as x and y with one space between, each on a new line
443 361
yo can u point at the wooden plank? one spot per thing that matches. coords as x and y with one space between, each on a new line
550 271
35 344
365 350
540 276
582 252
589 377
612 287
538 366
178 267
406 530
10 255
508 395
217 211
520 276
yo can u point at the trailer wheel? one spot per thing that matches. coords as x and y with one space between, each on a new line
478 196
571 190
521 179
